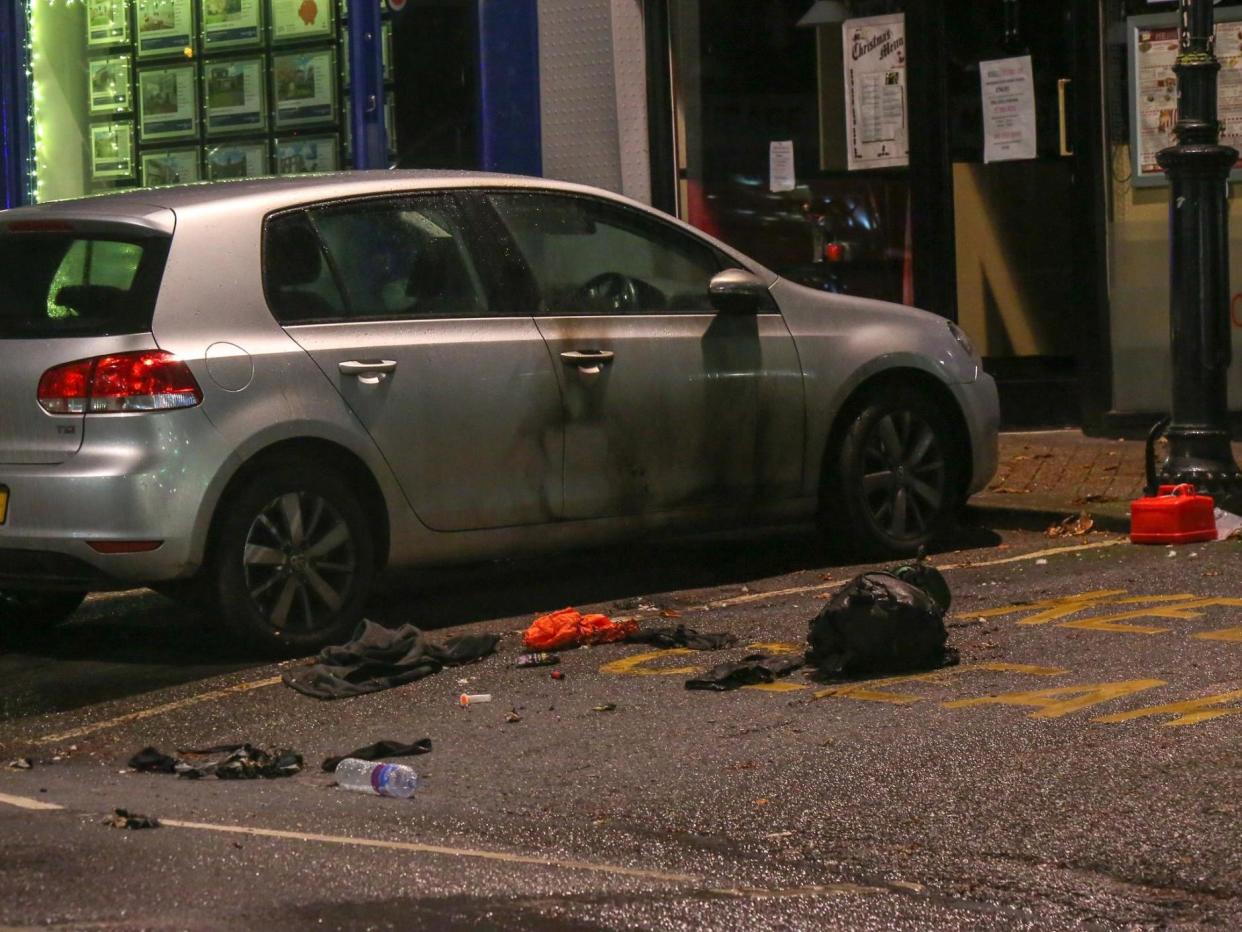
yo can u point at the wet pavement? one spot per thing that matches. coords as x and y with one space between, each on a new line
1080 767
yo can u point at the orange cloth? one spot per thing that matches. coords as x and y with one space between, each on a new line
570 628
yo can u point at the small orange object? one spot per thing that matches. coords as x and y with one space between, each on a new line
570 628
1176 515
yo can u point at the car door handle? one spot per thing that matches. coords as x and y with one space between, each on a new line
587 357
368 371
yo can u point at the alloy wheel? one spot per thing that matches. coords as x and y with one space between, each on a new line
299 561
903 475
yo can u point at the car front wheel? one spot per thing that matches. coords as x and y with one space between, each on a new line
893 484
293 559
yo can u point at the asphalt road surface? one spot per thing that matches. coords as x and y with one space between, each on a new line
1081 766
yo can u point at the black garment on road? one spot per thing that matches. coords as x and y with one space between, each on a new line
241 762
380 658
681 636
150 760
752 669
879 624
380 750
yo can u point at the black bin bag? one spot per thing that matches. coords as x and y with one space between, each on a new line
879 623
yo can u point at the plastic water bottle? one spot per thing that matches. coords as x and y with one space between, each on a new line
364 776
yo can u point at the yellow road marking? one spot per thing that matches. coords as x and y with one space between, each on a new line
1225 634
867 692
1187 712
634 664
22 802
1052 608
776 687
1053 703
157 710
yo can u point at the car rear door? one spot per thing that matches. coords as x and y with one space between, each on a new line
669 404
69 290
399 307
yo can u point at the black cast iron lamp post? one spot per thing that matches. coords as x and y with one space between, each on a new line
1198 167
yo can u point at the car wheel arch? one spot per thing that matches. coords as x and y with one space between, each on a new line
324 454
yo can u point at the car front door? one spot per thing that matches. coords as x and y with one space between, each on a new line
669 405
396 303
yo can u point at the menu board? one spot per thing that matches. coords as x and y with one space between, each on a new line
1153 88
876 124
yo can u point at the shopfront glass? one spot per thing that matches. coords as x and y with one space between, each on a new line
748 75
137 93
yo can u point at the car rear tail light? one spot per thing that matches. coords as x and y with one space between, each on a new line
124 546
834 252
150 380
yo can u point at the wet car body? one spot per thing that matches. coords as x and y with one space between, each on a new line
518 420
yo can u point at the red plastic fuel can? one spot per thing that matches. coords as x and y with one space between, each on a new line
1176 515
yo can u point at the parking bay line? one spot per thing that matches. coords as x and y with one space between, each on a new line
415 847
721 603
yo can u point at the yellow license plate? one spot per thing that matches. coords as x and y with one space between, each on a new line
4 503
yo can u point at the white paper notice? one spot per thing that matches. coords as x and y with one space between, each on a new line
1008 109
781 166
877 131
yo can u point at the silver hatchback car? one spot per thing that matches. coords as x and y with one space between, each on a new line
264 392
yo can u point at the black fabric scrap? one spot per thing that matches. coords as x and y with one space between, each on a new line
750 670
123 818
380 750
681 636
241 762
381 658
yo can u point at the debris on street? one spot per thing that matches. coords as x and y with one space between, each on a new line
681 636
381 658
380 749
473 698
570 628
1176 514
606 707
879 623
21 763
557 675
240 762
751 670
123 818
538 659
1228 525
1073 526
512 717
394 780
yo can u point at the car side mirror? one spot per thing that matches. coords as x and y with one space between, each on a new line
736 291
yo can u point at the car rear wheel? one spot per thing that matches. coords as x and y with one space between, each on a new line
31 609
892 485
293 559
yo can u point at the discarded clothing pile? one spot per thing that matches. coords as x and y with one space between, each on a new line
570 628
380 750
379 658
240 762
681 636
751 670
884 622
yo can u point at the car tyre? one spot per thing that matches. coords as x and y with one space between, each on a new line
293 559
35 609
892 484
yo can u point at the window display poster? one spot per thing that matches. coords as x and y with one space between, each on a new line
170 166
231 23
305 84
234 92
1229 83
112 150
165 27
1008 91
300 19
109 80
876 125
781 166
107 22
1155 53
168 103
306 154
237 160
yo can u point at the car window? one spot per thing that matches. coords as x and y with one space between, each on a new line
403 259
299 282
67 285
591 257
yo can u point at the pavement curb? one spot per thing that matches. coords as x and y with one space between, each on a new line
1014 517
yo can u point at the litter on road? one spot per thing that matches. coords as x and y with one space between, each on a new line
474 698
381 658
379 750
240 762
395 780
570 628
123 818
681 636
751 670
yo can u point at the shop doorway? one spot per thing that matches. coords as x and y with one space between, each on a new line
1029 273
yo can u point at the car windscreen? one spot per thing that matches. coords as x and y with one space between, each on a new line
73 284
